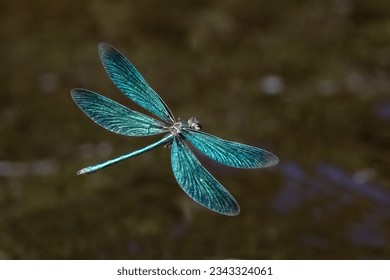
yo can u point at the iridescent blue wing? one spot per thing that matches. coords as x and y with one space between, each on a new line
130 82
198 183
115 117
230 153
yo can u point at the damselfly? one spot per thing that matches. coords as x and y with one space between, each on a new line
192 177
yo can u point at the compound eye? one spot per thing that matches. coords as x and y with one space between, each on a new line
197 126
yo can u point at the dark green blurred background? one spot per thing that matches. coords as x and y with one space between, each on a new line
307 80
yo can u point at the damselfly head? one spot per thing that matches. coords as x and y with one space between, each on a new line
194 124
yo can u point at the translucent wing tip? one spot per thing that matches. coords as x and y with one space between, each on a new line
104 48
233 212
78 94
74 92
272 160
